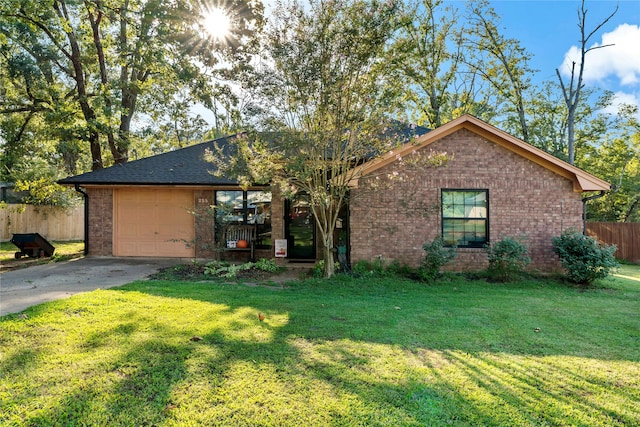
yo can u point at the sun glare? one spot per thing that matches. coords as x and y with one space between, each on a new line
217 23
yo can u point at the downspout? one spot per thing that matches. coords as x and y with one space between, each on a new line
584 209
86 218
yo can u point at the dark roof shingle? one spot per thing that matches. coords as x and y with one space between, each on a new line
185 166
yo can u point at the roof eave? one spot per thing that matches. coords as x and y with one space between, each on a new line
588 183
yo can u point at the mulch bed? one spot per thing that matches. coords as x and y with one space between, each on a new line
196 272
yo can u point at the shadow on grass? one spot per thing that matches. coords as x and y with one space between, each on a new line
537 317
86 382
372 354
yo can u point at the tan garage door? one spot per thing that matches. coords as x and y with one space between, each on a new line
153 223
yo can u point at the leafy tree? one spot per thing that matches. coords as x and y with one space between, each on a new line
501 62
429 54
547 119
547 123
334 89
616 158
28 128
456 66
35 148
93 63
173 126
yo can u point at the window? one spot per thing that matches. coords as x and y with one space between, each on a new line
230 207
464 218
245 207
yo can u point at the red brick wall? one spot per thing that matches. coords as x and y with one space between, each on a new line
525 200
101 224
277 222
205 244
100 221
277 215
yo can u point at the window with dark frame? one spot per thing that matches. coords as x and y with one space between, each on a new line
465 219
251 207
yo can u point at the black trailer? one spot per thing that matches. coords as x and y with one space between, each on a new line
32 245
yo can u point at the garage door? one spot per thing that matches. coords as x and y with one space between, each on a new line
153 223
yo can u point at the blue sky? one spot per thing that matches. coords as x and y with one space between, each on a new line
548 29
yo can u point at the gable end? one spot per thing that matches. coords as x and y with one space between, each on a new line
582 181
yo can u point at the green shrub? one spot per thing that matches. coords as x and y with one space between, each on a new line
226 269
379 266
363 267
507 259
359 268
318 269
395 268
268 265
436 256
583 257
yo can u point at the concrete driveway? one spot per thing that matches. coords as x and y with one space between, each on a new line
23 288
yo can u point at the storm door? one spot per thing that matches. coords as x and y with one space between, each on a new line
300 229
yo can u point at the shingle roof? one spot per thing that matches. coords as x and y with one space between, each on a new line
184 166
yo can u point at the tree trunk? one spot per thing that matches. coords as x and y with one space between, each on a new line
129 99
329 259
571 136
326 217
524 127
96 151
97 41
632 207
78 76
572 93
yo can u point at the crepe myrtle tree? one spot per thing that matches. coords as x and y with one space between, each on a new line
296 163
329 92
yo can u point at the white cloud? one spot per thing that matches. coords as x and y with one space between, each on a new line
619 62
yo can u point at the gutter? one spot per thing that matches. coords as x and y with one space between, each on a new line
86 217
584 209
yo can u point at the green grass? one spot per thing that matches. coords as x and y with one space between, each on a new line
369 352
63 251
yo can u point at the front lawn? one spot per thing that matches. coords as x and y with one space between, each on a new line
352 351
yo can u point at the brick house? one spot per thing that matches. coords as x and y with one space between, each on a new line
160 206
493 186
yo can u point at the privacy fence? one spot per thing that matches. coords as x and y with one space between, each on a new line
625 235
51 223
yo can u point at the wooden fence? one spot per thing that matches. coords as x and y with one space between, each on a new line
625 235
51 223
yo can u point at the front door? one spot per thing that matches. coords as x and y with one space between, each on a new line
300 228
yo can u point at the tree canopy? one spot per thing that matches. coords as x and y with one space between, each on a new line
78 71
88 83
328 66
